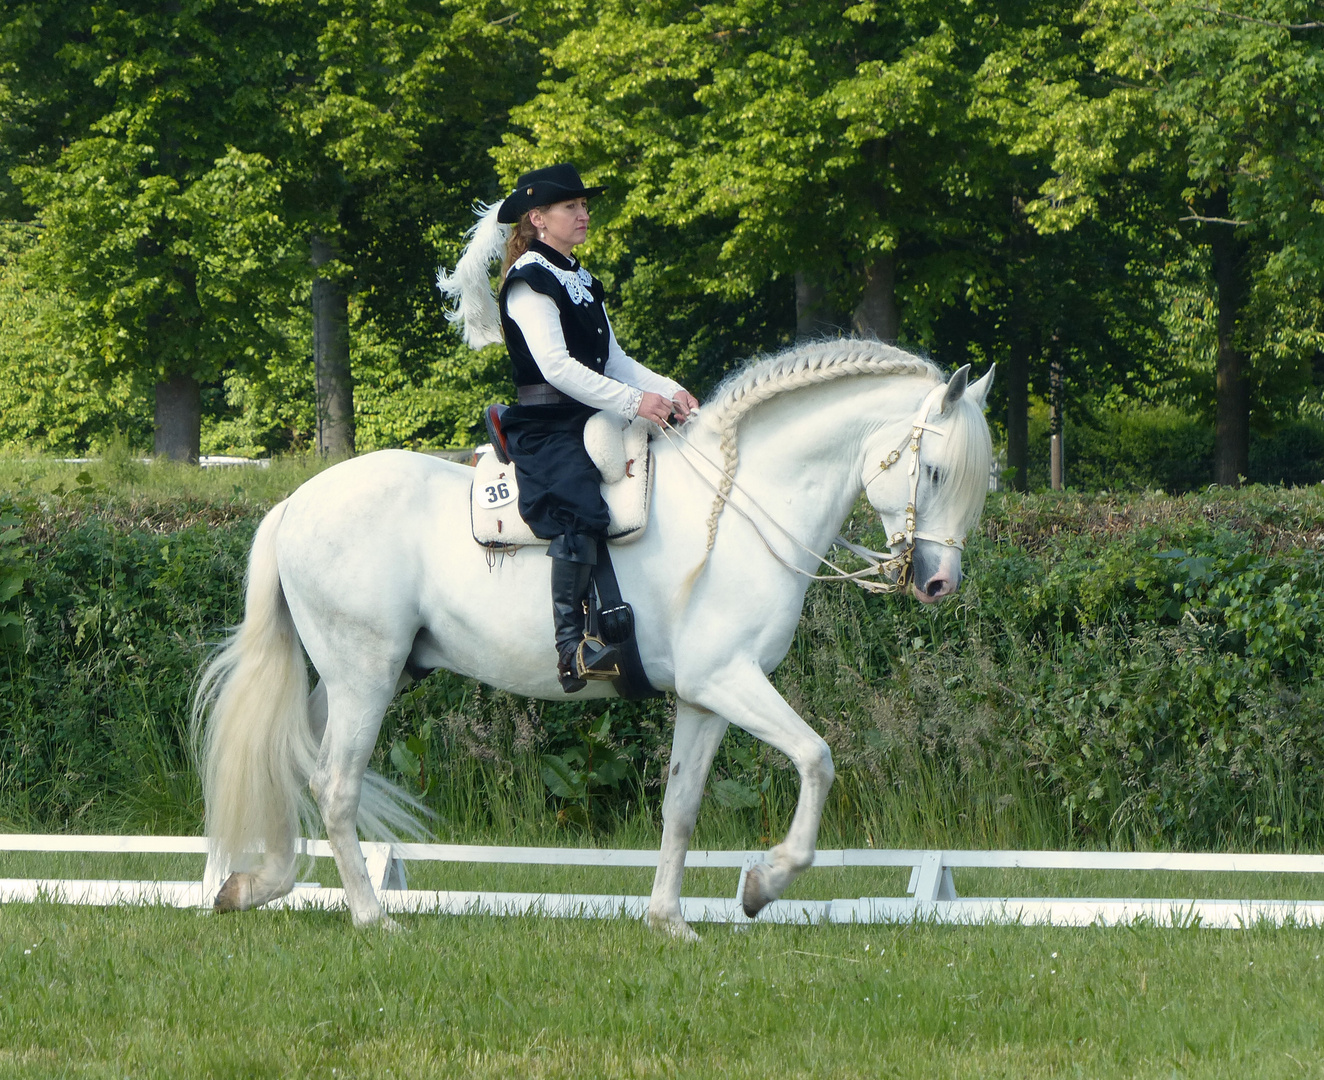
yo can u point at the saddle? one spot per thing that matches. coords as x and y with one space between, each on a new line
622 456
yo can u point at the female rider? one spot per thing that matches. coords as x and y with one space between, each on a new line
567 365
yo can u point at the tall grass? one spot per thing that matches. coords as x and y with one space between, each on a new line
122 478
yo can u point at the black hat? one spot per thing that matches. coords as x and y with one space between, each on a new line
542 187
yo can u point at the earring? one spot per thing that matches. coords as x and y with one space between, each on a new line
542 236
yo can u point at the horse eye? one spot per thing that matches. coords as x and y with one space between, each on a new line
934 475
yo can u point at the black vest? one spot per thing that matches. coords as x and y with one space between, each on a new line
584 323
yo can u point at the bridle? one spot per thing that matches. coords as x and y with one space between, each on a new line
885 572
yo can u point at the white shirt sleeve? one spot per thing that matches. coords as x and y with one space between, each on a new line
539 320
628 370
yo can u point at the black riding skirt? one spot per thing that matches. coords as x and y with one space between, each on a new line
560 489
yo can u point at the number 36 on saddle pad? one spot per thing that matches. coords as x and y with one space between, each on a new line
622 456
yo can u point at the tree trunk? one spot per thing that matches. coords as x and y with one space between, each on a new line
814 317
178 421
1018 417
1056 466
1018 357
1232 430
334 381
876 314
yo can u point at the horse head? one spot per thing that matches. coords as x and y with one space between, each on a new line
929 491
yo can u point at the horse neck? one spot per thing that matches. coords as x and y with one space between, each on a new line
802 453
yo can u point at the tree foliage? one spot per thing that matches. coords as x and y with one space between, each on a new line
1044 184
179 159
1212 112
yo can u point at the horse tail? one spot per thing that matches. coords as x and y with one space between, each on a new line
250 719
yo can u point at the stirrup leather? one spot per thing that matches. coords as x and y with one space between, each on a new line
593 664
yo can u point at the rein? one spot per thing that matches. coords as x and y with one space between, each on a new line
893 573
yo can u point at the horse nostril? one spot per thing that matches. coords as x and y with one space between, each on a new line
936 586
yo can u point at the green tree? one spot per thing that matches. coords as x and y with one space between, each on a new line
163 238
806 143
847 158
200 167
1220 106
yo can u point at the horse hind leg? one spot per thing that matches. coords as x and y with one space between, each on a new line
694 742
273 875
271 878
354 717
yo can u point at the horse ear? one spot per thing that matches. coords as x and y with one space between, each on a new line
955 389
979 390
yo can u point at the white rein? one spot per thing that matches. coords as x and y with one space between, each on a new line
893 572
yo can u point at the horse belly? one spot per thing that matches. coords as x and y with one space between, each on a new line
489 616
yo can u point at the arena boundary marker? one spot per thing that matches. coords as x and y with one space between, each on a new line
934 897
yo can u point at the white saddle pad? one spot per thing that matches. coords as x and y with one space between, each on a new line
618 453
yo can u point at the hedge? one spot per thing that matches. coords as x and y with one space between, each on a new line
1139 670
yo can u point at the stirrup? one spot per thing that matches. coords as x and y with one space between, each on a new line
595 659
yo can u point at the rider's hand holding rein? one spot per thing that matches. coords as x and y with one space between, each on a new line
660 409
685 405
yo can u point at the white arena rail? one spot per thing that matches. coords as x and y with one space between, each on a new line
933 894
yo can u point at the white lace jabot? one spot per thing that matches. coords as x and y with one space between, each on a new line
578 283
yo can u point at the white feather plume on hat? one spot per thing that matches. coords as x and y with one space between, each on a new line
470 286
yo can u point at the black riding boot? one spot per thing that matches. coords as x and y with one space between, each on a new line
579 656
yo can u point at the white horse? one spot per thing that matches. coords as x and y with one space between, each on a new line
371 568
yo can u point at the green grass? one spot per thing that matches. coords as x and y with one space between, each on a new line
126 479
93 992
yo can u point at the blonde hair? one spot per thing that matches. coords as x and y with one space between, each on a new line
521 235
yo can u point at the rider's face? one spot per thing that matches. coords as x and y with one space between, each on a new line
562 225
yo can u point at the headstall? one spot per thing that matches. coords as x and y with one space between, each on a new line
886 572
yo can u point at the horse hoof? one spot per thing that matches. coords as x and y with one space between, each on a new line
754 898
375 920
390 926
677 929
234 895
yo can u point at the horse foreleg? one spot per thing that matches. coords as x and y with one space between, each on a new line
353 720
743 695
693 744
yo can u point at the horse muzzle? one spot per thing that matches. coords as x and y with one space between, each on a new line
937 571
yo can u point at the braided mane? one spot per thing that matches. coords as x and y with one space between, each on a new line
794 369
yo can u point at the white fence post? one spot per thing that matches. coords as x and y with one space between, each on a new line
931 880
386 870
211 879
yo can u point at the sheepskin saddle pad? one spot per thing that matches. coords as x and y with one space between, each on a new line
623 457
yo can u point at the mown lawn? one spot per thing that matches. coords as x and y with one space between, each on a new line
91 992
